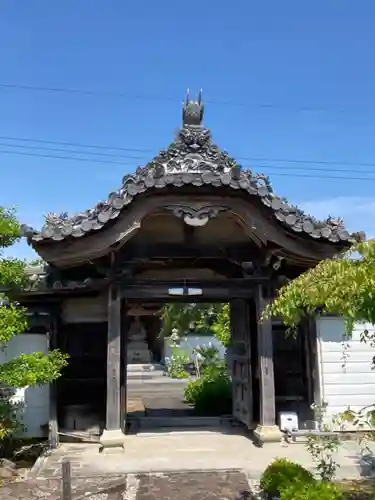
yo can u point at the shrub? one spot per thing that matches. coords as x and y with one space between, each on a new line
323 449
317 491
10 424
211 394
207 356
177 362
283 473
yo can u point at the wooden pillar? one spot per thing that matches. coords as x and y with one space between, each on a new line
240 361
53 431
267 429
124 371
314 379
113 436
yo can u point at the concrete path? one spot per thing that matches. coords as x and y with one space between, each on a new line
184 451
193 485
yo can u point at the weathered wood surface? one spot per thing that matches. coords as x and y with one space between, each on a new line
254 221
66 481
124 400
240 359
266 371
190 250
54 322
311 333
113 359
223 290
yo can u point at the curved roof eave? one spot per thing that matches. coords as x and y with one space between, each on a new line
191 160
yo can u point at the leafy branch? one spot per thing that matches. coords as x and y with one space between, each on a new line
27 369
344 286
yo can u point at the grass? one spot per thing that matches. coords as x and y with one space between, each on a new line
359 490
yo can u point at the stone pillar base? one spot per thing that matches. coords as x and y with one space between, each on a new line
267 434
112 440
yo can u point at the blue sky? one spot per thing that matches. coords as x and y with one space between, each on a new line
288 80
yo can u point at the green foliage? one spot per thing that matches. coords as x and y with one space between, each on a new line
32 369
203 319
12 319
221 325
177 362
211 393
207 356
282 474
317 491
323 449
9 413
343 286
27 369
363 420
184 317
10 229
12 274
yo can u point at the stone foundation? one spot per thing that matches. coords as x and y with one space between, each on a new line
267 434
112 440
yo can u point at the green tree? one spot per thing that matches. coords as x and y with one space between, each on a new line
27 369
221 325
202 318
345 286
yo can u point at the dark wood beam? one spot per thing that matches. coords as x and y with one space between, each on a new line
219 290
238 252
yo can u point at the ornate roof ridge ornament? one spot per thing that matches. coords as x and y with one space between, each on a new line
192 111
192 159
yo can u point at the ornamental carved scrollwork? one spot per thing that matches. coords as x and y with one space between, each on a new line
192 151
196 216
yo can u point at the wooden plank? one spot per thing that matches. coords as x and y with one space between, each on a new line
66 479
314 363
221 290
188 250
113 359
240 359
123 383
53 431
266 371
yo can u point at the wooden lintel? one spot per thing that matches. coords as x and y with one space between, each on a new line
237 252
223 290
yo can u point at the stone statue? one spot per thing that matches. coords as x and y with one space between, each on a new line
138 351
137 331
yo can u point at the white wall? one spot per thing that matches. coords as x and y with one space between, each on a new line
34 400
188 344
353 385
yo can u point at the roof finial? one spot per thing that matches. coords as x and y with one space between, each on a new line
192 111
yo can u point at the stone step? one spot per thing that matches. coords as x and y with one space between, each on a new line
160 423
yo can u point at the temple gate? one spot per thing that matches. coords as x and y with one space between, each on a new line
192 219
